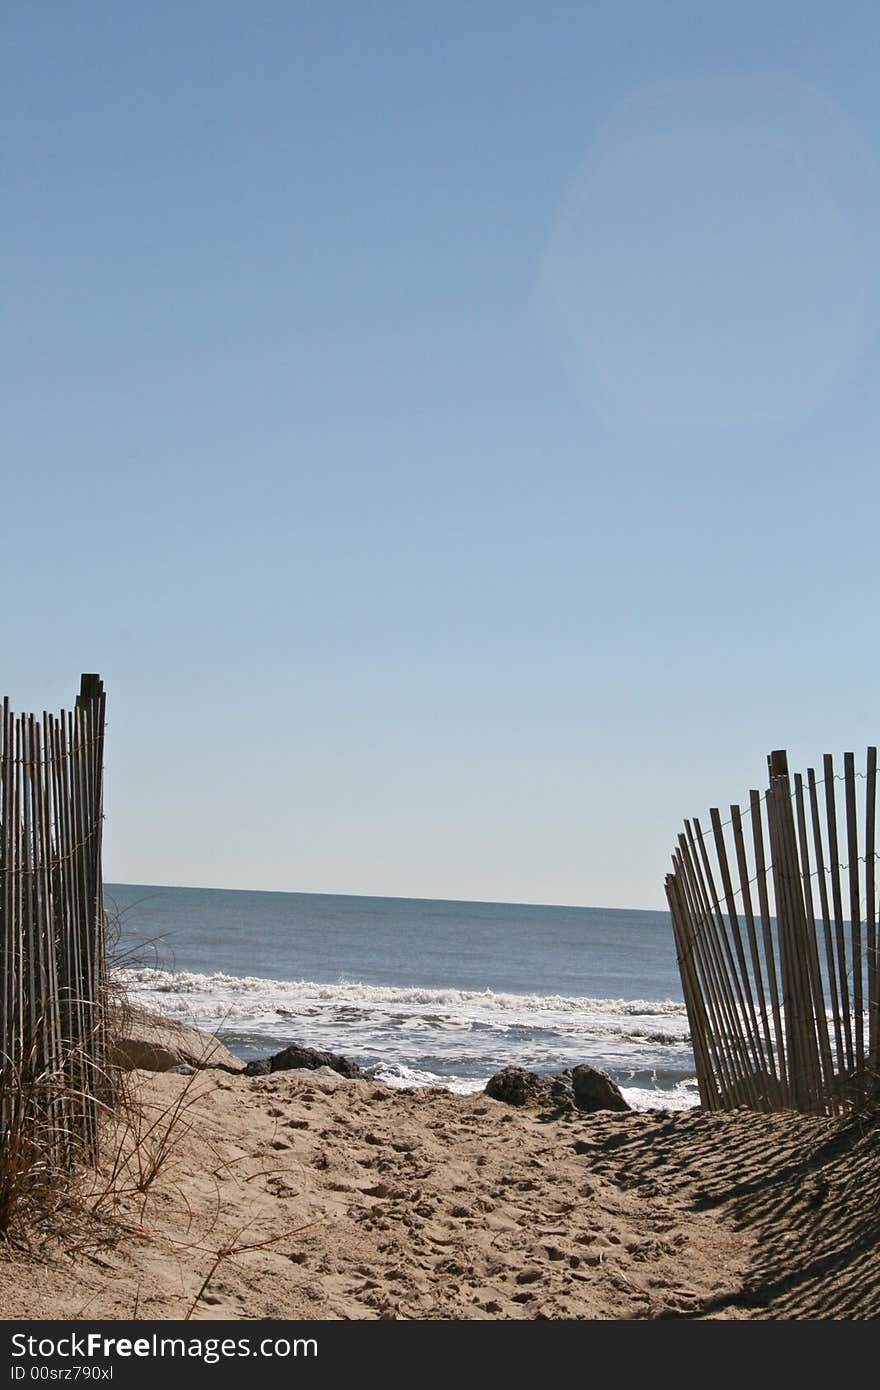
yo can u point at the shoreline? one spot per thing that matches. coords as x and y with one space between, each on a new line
337 1198
435 1036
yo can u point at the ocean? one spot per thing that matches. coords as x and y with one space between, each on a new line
422 992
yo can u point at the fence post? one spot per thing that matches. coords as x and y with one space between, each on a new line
805 1079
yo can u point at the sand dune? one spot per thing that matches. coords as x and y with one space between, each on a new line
366 1202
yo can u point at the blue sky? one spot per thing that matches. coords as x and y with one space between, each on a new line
450 430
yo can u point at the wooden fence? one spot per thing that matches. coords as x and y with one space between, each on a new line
774 913
52 949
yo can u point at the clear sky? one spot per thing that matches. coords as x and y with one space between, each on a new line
450 429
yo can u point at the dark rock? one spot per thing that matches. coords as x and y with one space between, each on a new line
581 1090
594 1090
516 1086
297 1058
561 1093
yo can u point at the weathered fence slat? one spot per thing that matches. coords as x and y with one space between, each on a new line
830 961
814 969
837 903
855 907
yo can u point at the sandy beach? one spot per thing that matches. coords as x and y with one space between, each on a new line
305 1195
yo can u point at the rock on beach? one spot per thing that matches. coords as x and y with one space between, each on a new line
585 1089
147 1041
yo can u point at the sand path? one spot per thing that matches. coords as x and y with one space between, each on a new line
368 1202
